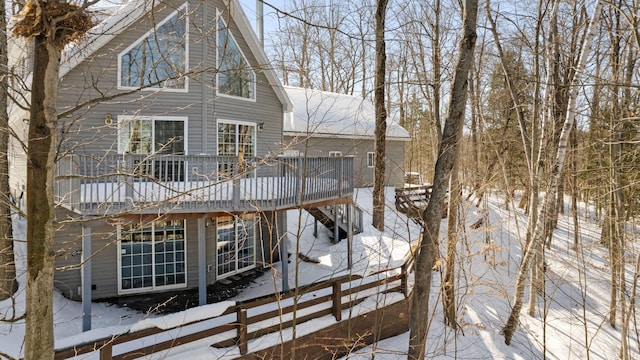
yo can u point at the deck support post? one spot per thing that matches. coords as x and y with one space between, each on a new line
85 275
315 228
336 227
284 259
349 214
202 261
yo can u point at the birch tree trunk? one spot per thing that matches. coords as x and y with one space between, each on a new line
556 172
381 117
8 283
425 259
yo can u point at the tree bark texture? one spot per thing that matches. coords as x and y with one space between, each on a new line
455 196
425 260
40 204
381 117
550 197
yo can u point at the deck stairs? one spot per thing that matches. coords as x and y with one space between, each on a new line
327 215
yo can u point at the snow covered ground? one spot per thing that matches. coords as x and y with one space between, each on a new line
577 290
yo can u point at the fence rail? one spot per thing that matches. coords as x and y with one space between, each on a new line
256 318
96 185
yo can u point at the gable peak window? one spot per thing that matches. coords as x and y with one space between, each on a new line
235 76
158 60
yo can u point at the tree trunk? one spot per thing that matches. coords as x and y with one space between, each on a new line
40 204
8 282
425 260
455 195
381 118
550 196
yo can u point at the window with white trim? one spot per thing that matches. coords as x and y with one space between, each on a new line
149 135
236 244
159 59
235 76
236 138
335 153
152 257
154 135
370 159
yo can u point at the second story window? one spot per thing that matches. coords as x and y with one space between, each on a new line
159 58
235 76
151 135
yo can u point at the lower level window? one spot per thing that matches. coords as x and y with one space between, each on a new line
236 244
152 257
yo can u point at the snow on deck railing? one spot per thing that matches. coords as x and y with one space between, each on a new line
110 184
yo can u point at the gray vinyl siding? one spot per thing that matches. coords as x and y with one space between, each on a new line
358 148
104 265
86 130
104 260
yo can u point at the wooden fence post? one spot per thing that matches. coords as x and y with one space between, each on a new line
337 300
242 331
404 279
106 352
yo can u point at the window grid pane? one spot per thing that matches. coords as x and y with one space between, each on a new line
153 256
235 244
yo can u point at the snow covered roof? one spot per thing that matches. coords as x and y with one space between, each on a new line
327 114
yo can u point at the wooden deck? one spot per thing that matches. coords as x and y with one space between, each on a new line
413 201
144 184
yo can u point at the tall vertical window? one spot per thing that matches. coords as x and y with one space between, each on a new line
159 58
236 244
235 76
152 257
370 159
239 140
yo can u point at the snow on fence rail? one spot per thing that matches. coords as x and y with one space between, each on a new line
185 183
253 319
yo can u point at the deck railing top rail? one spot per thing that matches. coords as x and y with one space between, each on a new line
111 184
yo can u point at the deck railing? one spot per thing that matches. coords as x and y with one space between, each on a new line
253 319
198 183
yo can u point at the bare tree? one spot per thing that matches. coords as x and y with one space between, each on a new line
8 283
550 196
51 25
381 116
447 152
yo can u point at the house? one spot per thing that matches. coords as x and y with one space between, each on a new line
169 173
329 124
